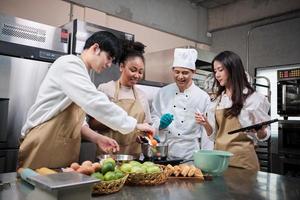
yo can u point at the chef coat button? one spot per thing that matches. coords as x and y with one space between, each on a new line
184 108
176 93
174 106
181 121
169 132
186 95
178 134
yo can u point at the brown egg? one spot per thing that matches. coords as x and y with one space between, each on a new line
68 169
96 166
87 163
83 170
75 166
90 170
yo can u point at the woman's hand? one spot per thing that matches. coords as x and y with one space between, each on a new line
106 144
202 120
262 132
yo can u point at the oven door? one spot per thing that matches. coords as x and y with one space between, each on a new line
289 166
289 137
288 98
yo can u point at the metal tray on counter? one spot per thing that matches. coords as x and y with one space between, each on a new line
64 180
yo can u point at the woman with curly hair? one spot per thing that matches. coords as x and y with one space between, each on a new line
124 93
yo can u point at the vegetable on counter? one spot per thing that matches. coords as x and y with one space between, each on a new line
45 171
87 167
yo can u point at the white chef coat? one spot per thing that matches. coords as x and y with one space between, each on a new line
68 81
183 133
255 110
109 89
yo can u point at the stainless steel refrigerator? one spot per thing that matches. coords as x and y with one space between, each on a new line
80 31
27 50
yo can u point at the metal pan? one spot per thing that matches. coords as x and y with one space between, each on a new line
117 157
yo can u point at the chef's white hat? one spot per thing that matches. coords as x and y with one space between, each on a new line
185 58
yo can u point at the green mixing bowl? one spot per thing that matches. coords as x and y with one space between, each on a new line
212 162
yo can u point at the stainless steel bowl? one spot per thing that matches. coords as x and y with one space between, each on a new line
160 152
117 157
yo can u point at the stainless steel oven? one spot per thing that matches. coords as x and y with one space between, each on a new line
289 137
289 165
289 147
288 92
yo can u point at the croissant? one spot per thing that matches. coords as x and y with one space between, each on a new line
192 171
185 170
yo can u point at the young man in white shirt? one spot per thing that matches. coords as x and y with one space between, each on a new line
55 123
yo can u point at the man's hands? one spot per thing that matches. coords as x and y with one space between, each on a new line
165 120
104 143
107 144
145 128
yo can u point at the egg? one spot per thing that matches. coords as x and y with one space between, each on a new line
87 163
68 169
75 166
83 170
87 170
90 170
96 166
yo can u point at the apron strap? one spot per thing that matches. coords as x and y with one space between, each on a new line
117 91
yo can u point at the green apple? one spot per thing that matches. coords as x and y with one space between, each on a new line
98 175
153 169
111 160
137 169
107 167
119 174
134 163
126 167
148 163
109 176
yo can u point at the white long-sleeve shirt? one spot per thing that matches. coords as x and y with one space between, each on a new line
255 110
68 81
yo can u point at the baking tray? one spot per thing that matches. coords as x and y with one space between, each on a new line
64 180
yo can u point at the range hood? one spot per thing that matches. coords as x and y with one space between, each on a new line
158 64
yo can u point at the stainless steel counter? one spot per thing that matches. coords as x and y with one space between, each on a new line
234 184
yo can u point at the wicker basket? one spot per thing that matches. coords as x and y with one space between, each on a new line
147 178
108 187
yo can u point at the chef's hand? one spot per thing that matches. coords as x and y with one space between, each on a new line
107 144
145 128
165 120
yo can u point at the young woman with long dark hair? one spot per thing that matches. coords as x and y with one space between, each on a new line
236 105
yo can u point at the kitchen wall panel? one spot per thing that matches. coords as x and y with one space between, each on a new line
51 12
57 13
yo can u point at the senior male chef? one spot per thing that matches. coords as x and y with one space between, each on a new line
174 109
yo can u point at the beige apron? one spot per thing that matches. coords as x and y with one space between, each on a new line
242 147
54 143
134 108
